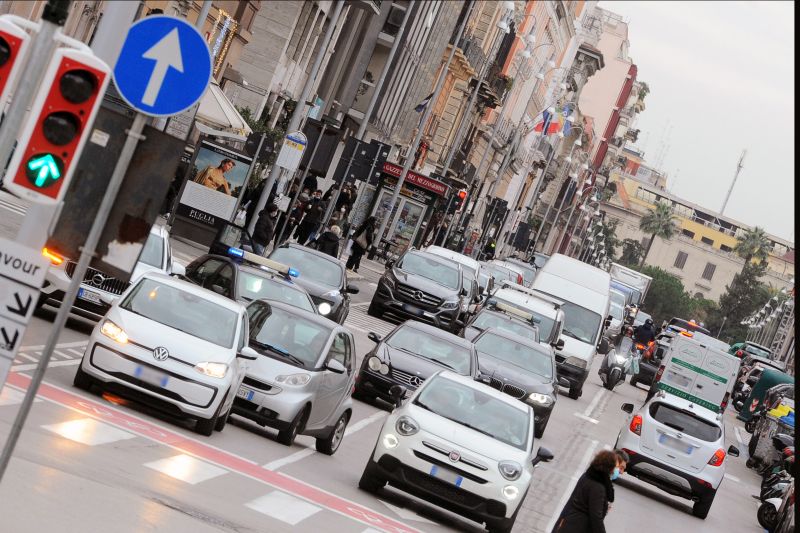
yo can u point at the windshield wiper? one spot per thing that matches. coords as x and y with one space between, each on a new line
465 424
570 334
441 363
279 351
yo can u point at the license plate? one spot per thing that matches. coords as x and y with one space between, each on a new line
151 376
413 310
446 475
89 296
245 393
675 444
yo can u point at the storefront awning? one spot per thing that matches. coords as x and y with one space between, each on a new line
219 115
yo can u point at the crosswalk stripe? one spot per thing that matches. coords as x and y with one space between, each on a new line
76 352
360 320
26 356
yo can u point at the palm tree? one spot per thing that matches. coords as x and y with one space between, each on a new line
658 222
754 244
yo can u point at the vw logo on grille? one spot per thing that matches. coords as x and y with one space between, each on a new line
416 381
98 280
160 354
418 295
454 456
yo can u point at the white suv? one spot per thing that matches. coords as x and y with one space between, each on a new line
677 446
461 445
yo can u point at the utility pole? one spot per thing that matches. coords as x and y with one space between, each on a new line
739 167
299 110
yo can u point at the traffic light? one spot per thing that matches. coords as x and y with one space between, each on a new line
461 195
13 43
58 125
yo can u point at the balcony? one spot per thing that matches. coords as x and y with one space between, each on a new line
373 6
472 50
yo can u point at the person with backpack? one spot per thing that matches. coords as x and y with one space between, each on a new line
362 240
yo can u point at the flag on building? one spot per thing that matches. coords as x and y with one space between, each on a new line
567 111
551 122
423 104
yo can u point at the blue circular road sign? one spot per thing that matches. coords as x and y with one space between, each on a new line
164 66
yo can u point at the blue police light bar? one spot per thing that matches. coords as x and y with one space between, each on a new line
264 262
236 252
294 273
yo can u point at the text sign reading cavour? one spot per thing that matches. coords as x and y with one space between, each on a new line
23 264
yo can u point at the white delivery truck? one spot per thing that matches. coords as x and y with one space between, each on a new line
634 284
698 368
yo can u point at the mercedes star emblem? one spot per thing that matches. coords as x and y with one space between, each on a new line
418 295
415 381
160 354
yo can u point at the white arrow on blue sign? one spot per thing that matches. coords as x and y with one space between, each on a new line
164 66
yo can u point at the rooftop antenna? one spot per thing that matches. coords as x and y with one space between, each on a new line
739 167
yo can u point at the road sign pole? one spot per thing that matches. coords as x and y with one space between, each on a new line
134 136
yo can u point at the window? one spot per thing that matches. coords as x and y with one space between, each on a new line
708 272
243 335
707 241
685 422
725 248
338 350
680 261
200 273
687 233
223 280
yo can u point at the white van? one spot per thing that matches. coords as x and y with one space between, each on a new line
584 291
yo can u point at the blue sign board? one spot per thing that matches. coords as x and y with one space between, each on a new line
164 66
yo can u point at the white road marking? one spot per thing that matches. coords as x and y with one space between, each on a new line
76 352
89 431
12 396
62 354
584 462
32 366
302 454
40 347
587 418
283 507
186 468
595 401
406 514
733 478
26 356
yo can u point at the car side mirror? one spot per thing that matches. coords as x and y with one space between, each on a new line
397 392
559 344
603 347
463 292
733 451
374 337
627 407
543 455
248 354
352 289
335 366
177 269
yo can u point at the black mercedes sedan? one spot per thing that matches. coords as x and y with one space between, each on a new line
411 353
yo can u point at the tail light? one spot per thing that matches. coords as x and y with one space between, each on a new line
640 346
636 425
753 405
704 482
519 279
53 257
724 403
659 374
717 458
739 353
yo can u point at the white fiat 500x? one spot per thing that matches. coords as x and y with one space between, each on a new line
173 345
461 445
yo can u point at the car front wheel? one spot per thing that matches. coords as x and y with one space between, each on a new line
287 436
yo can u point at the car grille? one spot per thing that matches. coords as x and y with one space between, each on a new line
508 388
256 384
417 296
407 378
95 278
460 472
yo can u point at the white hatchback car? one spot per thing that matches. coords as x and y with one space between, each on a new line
677 446
173 345
461 445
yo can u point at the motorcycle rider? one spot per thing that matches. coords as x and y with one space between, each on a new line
645 333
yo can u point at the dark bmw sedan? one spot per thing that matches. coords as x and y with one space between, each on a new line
410 354
519 367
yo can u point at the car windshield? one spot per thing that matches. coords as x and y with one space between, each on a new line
423 344
617 306
311 266
283 335
182 310
489 319
432 269
580 323
535 360
545 324
755 350
685 422
255 287
153 251
476 409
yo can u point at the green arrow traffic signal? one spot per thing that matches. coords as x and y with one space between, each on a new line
44 169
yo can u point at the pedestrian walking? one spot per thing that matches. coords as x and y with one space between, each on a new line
310 225
362 239
590 500
328 242
265 228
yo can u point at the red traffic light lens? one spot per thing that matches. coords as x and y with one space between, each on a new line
462 194
5 52
78 85
60 127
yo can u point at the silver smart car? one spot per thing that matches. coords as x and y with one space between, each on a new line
303 380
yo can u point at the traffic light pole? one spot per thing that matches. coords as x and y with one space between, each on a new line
87 252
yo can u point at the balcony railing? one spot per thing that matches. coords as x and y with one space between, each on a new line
472 50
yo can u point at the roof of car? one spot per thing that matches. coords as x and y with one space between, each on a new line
541 303
760 346
321 255
687 405
436 332
521 263
312 317
516 338
455 256
470 382
436 257
194 289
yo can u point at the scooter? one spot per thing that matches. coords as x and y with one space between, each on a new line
619 363
740 396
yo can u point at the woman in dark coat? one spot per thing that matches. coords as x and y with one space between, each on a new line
367 230
587 506
328 242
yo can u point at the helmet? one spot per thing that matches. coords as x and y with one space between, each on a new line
648 322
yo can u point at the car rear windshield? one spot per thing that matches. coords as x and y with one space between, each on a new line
489 319
182 310
477 410
755 350
685 422
429 268
254 287
311 266
423 344
616 307
544 323
500 273
528 273
532 359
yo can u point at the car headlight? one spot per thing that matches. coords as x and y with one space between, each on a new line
450 305
374 363
511 470
406 426
295 380
324 308
542 399
510 492
214 370
390 441
575 361
113 331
